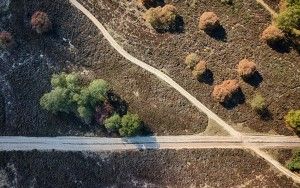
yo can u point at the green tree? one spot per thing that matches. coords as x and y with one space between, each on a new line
130 125
293 119
294 165
98 90
58 100
113 123
289 19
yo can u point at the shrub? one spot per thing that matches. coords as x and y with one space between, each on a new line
246 68
293 2
199 70
272 35
58 100
258 103
294 165
293 119
209 21
130 125
41 22
5 39
223 92
289 19
113 123
192 60
103 111
227 1
161 18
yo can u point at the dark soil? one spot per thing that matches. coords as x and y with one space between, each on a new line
274 4
242 24
160 168
75 44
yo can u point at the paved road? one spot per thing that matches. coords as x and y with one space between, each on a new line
159 74
154 142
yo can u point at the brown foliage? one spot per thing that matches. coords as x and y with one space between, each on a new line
199 70
225 90
40 22
161 18
5 39
246 68
209 21
272 35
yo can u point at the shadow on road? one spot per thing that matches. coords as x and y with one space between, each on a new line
143 143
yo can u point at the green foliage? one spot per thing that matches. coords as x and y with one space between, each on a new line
85 113
113 123
293 2
58 100
293 119
258 103
294 165
97 91
289 19
130 125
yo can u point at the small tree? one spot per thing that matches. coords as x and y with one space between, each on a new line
209 21
161 18
246 68
192 60
199 70
113 123
258 103
294 164
223 92
293 119
5 39
58 100
130 125
40 22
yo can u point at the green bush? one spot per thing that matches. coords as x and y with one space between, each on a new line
58 100
130 125
113 123
294 165
258 103
293 119
293 2
289 19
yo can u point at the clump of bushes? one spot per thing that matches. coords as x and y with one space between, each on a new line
273 35
89 100
192 60
294 165
209 21
162 18
40 22
258 103
200 70
224 91
5 39
292 119
246 68
128 125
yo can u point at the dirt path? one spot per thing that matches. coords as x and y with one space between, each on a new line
156 72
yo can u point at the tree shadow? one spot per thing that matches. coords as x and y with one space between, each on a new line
236 99
283 46
219 33
207 77
142 142
254 80
178 26
155 3
118 103
265 115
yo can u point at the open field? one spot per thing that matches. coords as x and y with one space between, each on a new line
76 45
243 23
181 168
